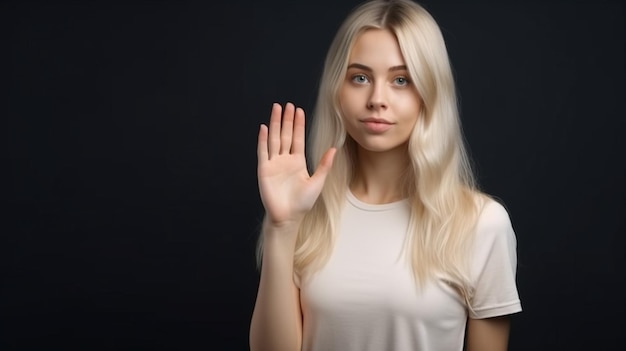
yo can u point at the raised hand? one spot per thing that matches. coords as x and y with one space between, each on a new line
286 188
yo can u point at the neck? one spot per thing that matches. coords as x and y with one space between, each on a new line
378 176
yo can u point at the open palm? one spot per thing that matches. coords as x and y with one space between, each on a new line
287 189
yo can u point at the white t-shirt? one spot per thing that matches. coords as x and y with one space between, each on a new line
365 298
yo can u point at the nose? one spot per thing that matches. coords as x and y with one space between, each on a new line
377 99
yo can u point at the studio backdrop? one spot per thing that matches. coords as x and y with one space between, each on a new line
131 207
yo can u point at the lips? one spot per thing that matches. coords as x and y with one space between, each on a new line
376 120
376 125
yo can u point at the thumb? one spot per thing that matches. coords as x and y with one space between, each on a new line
325 164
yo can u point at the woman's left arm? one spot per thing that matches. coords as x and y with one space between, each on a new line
488 334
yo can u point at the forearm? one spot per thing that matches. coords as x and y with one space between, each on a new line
277 320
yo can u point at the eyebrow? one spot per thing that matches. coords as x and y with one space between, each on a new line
366 68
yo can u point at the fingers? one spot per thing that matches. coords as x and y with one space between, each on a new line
325 164
297 144
286 130
261 149
274 130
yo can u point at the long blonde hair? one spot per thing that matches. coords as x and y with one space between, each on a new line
440 185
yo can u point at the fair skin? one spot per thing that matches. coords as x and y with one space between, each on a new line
489 334
287 192
380 106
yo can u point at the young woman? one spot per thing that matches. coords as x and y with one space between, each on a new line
385 242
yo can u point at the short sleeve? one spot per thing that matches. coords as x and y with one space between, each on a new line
494 265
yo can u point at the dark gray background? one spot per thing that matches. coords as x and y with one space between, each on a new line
129 135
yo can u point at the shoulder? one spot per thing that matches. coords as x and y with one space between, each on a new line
493 215
494 263
494 225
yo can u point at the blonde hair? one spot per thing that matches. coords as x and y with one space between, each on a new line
439 183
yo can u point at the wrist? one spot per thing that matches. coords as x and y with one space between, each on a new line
280 235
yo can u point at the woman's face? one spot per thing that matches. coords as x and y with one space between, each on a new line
379 103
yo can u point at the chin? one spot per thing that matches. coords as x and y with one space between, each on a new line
380 147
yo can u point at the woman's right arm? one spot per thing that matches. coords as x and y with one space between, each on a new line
288 192
277 318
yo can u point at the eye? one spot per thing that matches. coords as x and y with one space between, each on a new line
360 79
401 81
